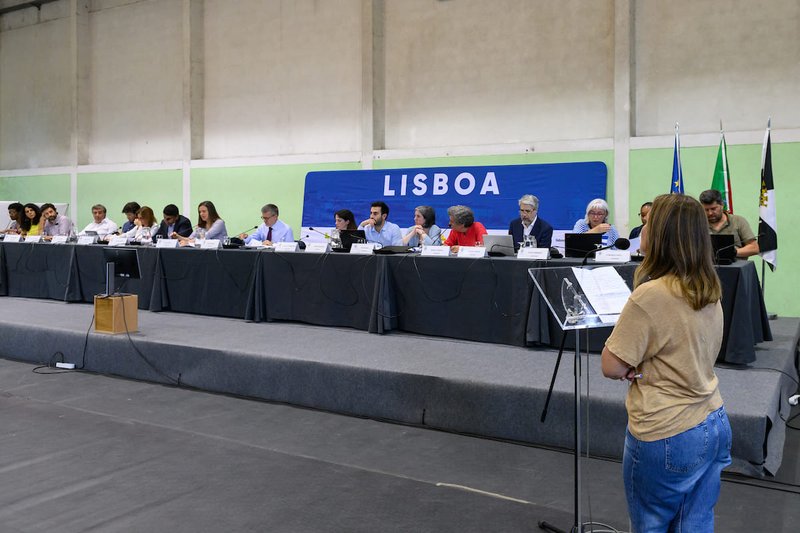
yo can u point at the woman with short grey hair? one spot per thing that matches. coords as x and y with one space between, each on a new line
465 231
596 221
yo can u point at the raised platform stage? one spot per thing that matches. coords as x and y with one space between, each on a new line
484 389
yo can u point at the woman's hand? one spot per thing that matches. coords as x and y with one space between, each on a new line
600 228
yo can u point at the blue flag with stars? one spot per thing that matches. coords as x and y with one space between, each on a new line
676 187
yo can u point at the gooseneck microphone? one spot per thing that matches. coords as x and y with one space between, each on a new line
621 244
320 232
245 231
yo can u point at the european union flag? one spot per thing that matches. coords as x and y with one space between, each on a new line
676 186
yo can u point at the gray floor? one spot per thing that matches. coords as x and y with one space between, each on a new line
83 452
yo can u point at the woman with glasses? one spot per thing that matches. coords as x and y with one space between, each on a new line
596 221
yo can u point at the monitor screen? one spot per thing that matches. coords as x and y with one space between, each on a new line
126 261
580 244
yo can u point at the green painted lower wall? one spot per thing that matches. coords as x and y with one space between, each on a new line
651 171
239 192
153 188
53 188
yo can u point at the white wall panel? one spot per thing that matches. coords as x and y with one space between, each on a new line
699 61
282 77
35 96
136 82
476 72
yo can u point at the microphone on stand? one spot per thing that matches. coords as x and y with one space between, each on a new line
320 232
621 244
248 229
235 240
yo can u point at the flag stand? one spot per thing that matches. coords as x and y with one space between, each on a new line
770 316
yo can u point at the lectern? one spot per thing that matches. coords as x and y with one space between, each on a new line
580 298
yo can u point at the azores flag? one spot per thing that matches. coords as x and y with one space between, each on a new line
676 186
767 215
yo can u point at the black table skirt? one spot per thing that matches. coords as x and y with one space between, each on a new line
487 300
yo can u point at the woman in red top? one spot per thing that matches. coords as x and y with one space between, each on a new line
464 230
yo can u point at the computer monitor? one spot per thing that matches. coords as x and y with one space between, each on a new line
581 244
724 248
120 263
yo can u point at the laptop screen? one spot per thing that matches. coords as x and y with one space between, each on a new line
349 236
497 245
579 244
724 249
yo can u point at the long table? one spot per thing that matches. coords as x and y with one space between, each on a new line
487 300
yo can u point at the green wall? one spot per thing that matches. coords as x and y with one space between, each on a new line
153 188
53 189
650 173
240 192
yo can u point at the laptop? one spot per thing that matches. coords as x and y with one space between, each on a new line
724 249
580 244
350 236
499 245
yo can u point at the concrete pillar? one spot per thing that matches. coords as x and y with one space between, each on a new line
624 114
81 110
193 97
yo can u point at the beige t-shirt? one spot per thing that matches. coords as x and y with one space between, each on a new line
674 348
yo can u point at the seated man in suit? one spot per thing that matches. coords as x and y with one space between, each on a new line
173 222
529 223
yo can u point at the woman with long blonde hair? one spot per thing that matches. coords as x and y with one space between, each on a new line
665 343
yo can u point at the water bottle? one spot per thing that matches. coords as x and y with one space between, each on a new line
336 240
199 235
529 241
145 237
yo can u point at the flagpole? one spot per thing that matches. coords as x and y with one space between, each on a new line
770 316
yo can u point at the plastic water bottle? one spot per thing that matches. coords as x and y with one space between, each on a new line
336 240
145 237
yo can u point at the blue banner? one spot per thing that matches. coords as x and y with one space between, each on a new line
563 189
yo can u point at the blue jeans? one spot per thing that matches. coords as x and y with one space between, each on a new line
673 484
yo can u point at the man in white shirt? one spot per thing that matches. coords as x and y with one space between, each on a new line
55 224
101 225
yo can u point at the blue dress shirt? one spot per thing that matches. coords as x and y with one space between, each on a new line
281 232
389 235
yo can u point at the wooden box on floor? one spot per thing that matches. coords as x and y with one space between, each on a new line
109 317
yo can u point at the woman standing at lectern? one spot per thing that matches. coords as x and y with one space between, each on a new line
665 343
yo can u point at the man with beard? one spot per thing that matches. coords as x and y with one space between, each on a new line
55 224
720 222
